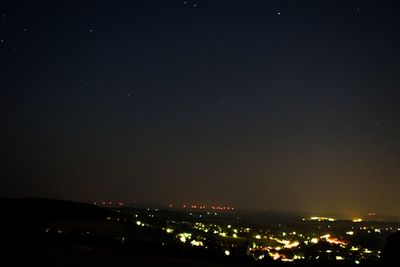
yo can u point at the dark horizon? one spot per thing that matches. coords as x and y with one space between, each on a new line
270 105
291 213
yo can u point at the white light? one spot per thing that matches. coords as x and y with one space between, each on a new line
227 253
196 243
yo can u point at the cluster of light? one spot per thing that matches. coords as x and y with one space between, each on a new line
320 219
292 244
183 237
286 243
339 258
314 240
333 240
350 233
295 257
169 230
139 223
258 236
227 253
197 207
204 207
109 203
274 255
357 220
196 243
221 208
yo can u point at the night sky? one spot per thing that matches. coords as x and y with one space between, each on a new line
279 105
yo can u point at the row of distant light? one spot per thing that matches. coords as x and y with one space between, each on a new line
109 203
320 219
204 207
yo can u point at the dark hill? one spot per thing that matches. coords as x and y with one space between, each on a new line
32 209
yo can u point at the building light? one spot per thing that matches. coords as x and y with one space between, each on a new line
275 255
196 243
320 219
184 236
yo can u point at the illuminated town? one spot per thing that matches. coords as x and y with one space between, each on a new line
194 234
310 239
